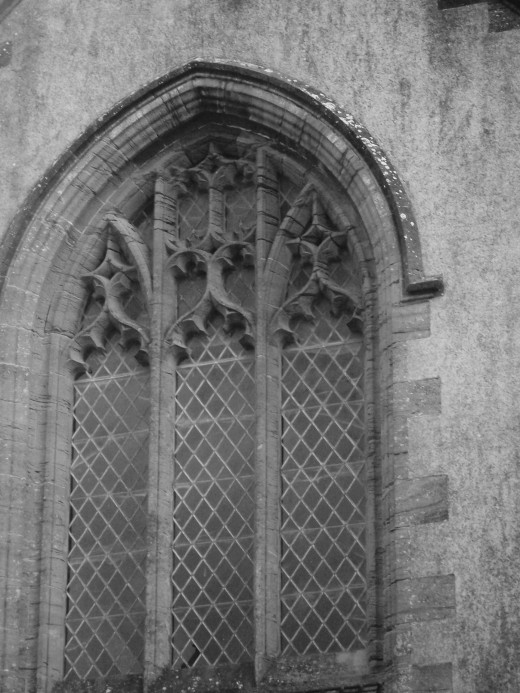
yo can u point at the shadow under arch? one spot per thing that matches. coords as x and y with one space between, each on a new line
101 170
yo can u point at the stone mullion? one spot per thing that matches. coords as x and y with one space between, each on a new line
55 519
216 215
162 416
267 463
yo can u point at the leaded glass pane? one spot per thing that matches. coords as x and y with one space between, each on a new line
240 209
107 549
212 609
323 538
193 214
214 502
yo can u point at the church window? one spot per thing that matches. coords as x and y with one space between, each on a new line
223 339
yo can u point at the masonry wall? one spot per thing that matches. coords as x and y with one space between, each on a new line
440 93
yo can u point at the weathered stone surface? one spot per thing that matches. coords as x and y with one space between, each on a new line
422 500
418 397
432 678
440 94
425 599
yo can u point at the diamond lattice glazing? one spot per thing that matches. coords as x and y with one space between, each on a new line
214 502
213 467
240 210
193 215
323 490
106 583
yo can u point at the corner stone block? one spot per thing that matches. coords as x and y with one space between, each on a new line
422 500
425 599
412 320
418 397
432 678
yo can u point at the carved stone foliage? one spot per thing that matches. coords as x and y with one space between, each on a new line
213 210
213 252
210 254
316 248
116 302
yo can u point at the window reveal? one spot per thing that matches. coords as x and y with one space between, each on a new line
254 291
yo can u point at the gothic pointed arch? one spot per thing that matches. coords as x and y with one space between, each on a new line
214 179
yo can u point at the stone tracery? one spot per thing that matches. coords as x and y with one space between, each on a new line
235 264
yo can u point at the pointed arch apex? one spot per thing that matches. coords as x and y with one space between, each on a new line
263 97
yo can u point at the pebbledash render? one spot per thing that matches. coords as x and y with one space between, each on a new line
234 441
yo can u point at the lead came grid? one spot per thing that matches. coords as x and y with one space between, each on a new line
106 583
323 491
213 532
212 607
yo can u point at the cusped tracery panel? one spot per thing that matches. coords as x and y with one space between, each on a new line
107 533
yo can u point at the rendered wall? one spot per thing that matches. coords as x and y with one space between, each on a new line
441 96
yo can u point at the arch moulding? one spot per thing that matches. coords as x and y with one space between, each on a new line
266 99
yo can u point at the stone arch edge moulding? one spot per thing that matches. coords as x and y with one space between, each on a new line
297 94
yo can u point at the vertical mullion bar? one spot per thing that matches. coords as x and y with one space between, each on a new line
160 473
267 463
216 212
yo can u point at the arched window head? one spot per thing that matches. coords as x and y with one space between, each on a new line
223 341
